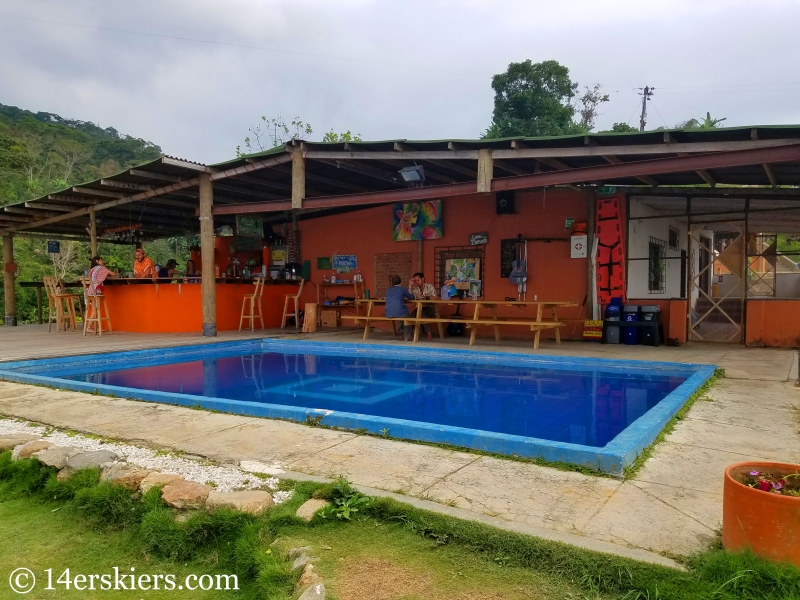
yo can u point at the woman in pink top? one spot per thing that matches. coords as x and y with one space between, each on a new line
98 273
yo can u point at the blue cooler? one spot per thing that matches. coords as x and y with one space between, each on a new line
630 314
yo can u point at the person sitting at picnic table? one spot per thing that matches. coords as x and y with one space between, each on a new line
98 272
143 267
395 304
169 271
422 290
192 274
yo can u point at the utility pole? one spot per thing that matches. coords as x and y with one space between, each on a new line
647 92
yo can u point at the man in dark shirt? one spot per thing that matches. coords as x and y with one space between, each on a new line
395 303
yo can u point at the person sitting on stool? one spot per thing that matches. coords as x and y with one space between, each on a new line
395 304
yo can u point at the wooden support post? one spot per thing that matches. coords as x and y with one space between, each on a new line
298 178
208 281
93 230
9 273
485 170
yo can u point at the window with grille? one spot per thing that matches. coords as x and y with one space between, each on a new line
674 238
657 266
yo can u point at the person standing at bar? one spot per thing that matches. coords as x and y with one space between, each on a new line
143 267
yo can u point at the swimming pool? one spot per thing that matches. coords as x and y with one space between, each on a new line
591 412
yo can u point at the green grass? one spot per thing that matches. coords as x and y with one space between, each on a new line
368 548
631 471
41 536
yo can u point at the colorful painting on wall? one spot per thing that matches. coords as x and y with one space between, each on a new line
418 221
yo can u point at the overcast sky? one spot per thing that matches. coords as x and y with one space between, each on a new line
191 75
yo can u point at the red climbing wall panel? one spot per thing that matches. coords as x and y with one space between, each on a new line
610 251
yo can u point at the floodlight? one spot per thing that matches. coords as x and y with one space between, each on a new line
415 174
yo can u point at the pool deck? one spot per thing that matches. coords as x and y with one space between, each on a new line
671 508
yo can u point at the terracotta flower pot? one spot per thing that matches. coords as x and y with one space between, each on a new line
768 524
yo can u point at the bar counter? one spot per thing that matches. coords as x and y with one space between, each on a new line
172 306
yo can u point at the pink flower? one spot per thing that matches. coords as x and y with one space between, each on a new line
753 473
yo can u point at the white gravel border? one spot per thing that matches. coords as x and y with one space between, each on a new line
225 479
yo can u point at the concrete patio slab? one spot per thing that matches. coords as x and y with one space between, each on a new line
271 442
526 493
637 518
414 467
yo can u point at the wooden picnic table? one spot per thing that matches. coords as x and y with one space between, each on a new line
536 324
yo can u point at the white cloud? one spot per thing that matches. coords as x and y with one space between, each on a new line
408 69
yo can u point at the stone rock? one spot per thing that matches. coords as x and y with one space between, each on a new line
57 456
27 450
128 476
89 460
308 577
254 502
310 508
154 479
302 561
253 466
8 442
298 551
314 592
185 494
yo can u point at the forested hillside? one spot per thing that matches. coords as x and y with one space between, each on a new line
42 152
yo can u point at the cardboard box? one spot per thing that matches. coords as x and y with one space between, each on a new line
330 318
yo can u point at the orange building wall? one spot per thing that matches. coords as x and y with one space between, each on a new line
553 275
177 308
773 323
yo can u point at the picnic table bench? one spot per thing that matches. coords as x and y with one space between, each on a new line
415 318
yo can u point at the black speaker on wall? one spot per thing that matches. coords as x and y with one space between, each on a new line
504 203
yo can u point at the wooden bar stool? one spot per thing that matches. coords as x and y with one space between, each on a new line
252 301
296 299
95 306
61 306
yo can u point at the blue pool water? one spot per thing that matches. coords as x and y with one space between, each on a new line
537 401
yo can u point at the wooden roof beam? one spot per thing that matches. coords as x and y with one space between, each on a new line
149 175
73 199
704 175
326 180
510 168
123 185
101 193
44 206
773 181
369 171
441 163
615 160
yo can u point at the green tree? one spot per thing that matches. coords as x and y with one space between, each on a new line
332 136
533 99
620 128
271 133
706 123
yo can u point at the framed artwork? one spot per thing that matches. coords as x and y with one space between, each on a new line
250 226
417 221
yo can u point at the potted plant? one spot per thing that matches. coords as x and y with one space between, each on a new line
761 510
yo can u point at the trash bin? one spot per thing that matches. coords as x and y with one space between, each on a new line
612 315
651 314
630 314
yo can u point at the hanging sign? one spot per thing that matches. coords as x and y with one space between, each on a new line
606 190
568 222
478 239
53 247
339 262
324 263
